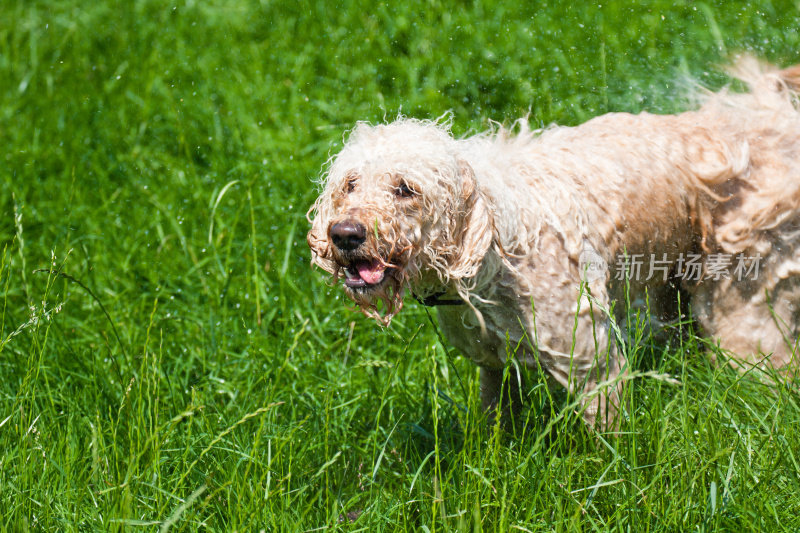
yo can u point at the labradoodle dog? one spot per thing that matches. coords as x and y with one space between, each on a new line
542 235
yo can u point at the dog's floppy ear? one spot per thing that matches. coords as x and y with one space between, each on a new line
316 238
472 229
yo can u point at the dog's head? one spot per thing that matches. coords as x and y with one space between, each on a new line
399 208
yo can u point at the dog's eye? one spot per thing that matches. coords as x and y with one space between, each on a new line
350 185
404 191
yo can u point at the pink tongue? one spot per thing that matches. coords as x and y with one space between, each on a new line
371 272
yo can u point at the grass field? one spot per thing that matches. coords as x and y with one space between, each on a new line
168 361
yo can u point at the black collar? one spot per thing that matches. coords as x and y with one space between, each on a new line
436 299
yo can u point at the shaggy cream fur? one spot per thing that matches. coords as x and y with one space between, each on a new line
504 222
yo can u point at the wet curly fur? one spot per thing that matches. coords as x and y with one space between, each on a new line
500 220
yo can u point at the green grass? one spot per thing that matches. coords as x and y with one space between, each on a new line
184 369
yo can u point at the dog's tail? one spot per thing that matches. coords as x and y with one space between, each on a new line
769 115
791 77
772 87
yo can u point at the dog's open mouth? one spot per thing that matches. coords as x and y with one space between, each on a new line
364 273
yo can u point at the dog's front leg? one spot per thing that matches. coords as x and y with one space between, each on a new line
601 406
501 397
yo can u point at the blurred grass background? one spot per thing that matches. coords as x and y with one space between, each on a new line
168 360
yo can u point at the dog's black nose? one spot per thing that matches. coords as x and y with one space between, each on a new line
348 235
